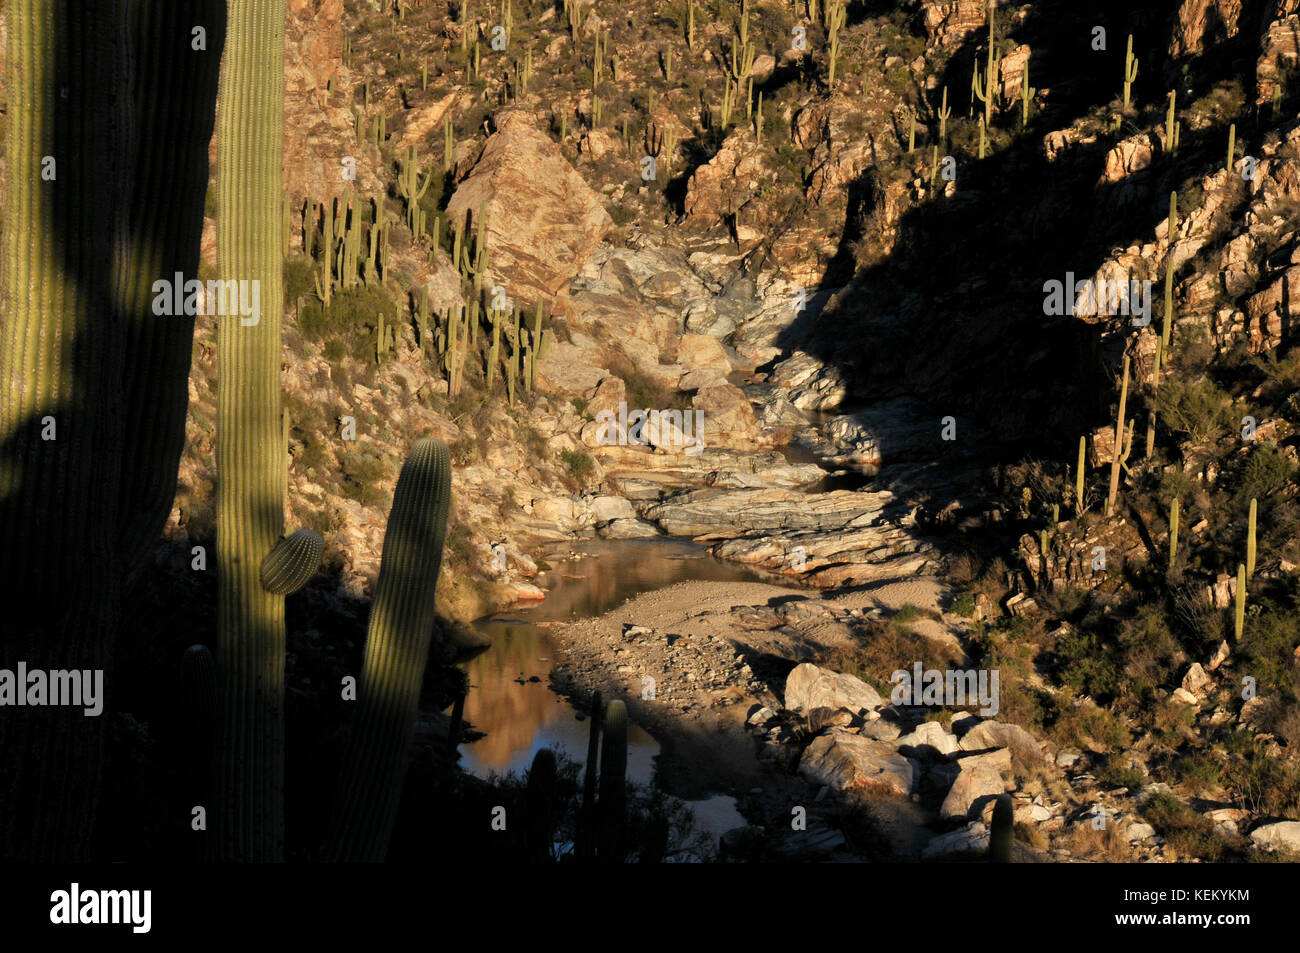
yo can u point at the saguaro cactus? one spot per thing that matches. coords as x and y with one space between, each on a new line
1239 615
1078 477
1002 835
1130 70
1117 456
250 484
1250 538
397 647
1173 531
586 839
82 352
613 786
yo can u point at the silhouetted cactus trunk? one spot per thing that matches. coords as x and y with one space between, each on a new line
176 67
397 650
613 787
250 459
91 210
586 834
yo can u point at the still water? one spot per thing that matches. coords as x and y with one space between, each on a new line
509 697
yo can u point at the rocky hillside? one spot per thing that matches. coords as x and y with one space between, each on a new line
831 232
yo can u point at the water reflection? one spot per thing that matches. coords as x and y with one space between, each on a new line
509 696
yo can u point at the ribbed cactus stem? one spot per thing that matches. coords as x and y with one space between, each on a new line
250 504
1239 615
1117 450
1173 531
1130 71
612 846
292 562
1250 538
1078 477
397 648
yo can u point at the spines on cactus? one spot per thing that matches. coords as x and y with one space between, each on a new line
397 647
292 562
250 619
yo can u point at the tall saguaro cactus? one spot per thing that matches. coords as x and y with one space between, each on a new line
397 648
250 461
61 357
92 412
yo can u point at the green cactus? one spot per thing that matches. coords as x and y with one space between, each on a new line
1250 538
448 145
944 112
1232 144
1027 94
1167 327
1239 615
1117 453
408 184
612 807
1130 70
911 131
836 16
987 92
250 501
292 562
1078 478
1169 121
1173 531
397 647
1002 834
981 146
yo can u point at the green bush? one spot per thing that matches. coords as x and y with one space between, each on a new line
1267 470
1196 409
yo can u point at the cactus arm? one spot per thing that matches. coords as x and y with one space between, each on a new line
397 647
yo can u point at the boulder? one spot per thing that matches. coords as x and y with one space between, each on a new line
542 218
1281 834
859 766
929 734
976 783
701 350
808 687
995 734
728 417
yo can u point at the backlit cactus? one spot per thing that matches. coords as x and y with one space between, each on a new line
397 648
1250 538
1130 70
250 458
540 798
292 562
586 836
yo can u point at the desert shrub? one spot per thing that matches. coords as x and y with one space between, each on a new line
1185 831
1268 641
1196 409
1266 471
